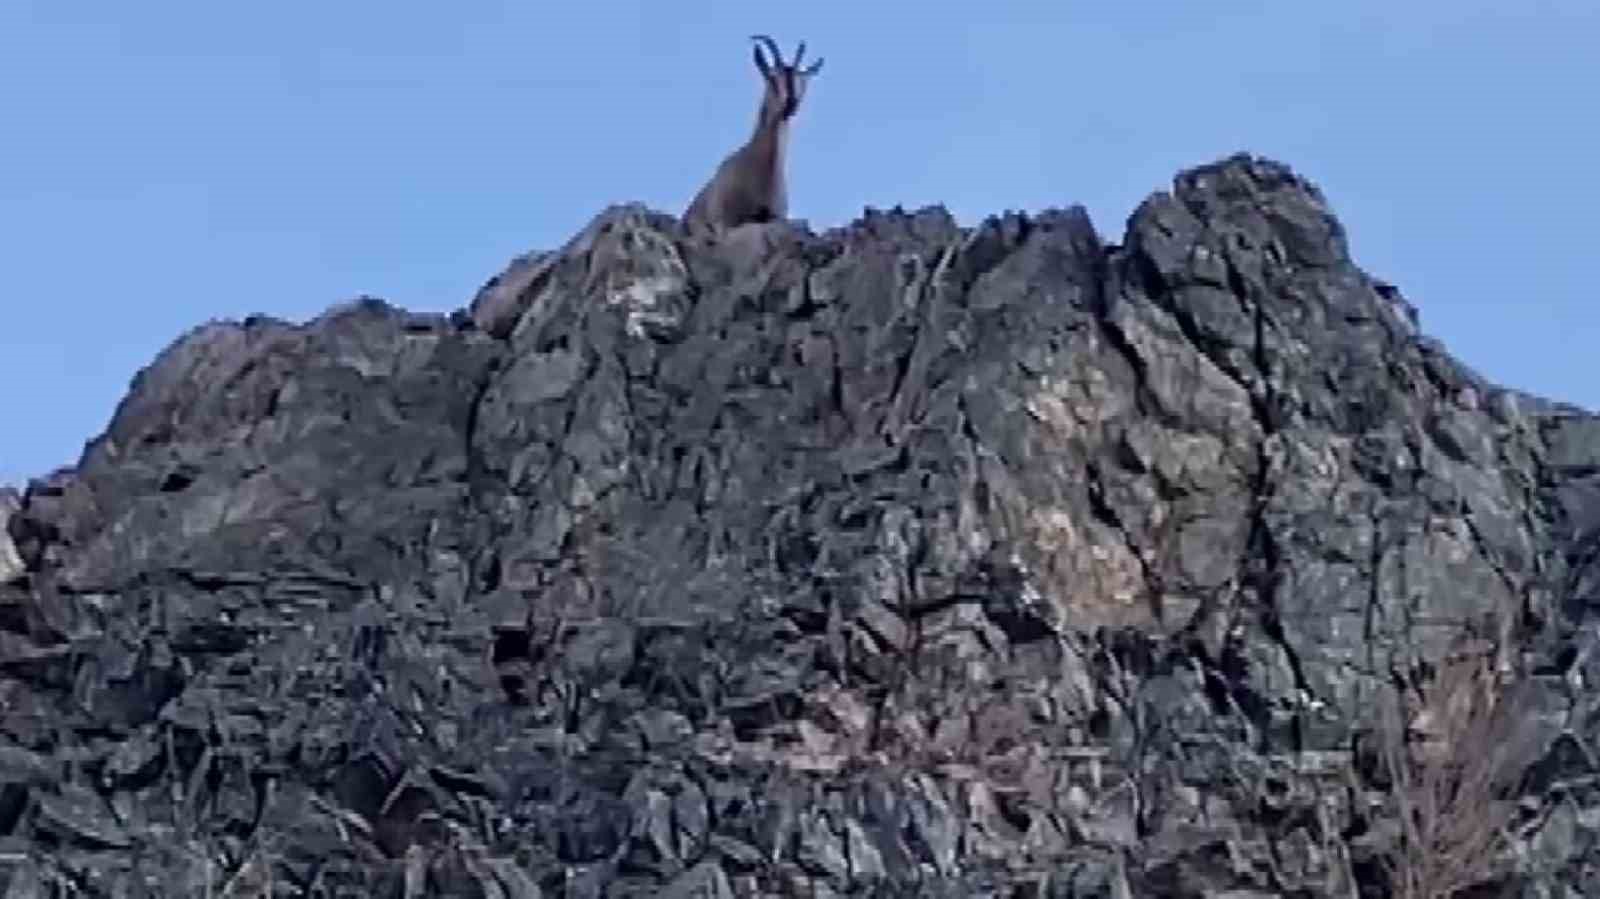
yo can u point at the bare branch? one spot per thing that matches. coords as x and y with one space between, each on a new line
1454 758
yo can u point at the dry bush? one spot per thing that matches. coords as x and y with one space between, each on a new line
1454 753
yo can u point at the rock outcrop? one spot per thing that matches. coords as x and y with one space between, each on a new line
905 559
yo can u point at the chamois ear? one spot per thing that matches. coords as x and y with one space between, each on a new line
794 64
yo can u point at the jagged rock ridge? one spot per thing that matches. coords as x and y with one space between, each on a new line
905 559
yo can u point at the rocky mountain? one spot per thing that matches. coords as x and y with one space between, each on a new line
901 560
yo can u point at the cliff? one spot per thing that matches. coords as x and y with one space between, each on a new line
903 559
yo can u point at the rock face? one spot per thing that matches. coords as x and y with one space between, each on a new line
901 560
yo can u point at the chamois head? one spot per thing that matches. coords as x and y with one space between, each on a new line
786 82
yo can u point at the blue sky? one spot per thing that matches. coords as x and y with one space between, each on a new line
162 164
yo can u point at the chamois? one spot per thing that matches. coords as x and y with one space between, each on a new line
749 185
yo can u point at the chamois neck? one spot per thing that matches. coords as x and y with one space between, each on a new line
771 136
770 125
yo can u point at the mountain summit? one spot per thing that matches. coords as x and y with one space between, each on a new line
905 559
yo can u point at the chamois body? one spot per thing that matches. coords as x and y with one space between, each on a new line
749 185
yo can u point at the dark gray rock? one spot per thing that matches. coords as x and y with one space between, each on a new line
902 560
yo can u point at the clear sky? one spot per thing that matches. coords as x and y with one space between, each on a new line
166 163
